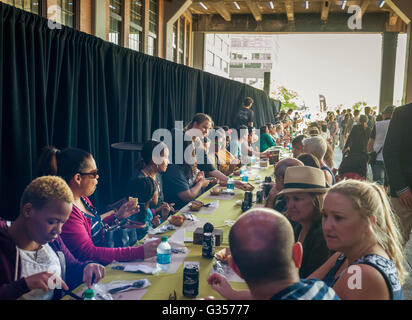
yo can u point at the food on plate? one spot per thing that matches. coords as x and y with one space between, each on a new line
248 187
177 220
223 255
196 205
216 191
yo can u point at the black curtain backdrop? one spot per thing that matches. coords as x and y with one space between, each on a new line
67 88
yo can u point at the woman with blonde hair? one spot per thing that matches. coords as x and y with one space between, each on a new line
359 224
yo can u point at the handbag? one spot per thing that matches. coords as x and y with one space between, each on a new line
373 155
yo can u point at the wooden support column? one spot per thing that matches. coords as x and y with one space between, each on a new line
145 33
100 18
198 50
126 23
389 44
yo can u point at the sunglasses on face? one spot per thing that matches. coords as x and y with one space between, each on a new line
94 173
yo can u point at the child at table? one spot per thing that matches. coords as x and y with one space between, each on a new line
146 190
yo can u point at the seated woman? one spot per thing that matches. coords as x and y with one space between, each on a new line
197 130
225 161
83 233
153 165
266 141
32 254
146 190
304 190
359 224
183 183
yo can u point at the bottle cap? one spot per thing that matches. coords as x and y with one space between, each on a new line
88 294
208 228
164 239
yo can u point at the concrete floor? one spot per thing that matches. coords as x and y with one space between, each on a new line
407 287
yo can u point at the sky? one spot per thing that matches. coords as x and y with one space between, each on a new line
345 68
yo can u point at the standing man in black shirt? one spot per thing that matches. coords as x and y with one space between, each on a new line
245 116
397 155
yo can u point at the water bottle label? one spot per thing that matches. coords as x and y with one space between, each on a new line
163 258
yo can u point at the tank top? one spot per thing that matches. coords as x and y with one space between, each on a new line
385 266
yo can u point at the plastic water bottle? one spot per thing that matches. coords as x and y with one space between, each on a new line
230 185
164 255
253 160
243 174
88 295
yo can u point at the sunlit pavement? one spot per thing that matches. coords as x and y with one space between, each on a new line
407 287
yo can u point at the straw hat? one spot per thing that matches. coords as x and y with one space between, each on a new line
304 179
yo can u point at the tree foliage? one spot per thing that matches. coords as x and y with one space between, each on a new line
287 97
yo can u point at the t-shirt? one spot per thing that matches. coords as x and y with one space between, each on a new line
266 141
174 182
34 262
312 289
244 117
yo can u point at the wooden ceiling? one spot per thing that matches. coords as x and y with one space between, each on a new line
288 7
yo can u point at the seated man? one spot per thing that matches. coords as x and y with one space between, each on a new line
265 256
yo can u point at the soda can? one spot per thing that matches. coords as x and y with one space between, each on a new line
208 245
191 279
259 196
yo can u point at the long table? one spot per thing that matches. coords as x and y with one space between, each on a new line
163 284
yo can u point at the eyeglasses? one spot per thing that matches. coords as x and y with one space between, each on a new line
94 174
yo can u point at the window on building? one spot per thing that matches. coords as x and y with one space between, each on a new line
68 10
174 42
187 46
115 28
225 67
237 65
33 6
210 58
153 25
136 30
181 39
255 56
253 65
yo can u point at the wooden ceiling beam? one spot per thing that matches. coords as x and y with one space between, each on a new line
290 10
221 9
325 10
364 6
254 9
393 19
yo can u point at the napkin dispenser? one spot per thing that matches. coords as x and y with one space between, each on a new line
198 236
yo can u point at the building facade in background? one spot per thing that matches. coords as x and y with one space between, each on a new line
251 56
217 54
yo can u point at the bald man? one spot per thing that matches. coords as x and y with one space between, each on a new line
265 256
280 169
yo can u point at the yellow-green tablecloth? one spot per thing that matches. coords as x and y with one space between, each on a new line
164 284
